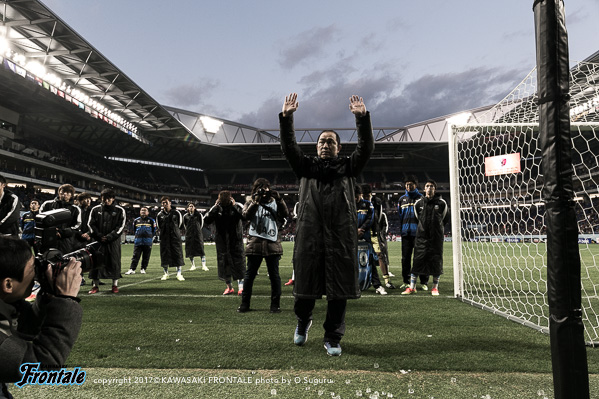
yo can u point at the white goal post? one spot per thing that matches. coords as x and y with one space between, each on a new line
498 229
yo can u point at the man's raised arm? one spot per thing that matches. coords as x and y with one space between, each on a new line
365 147
289 145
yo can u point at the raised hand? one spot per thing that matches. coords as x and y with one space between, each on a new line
356 105
290 105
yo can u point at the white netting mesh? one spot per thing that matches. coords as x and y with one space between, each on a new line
503 253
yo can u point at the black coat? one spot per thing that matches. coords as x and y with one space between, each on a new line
44 332
432 216
171 250
194 239
228 238
107 221
325 255
68 230
10 207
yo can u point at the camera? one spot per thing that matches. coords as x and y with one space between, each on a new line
262 195
46 253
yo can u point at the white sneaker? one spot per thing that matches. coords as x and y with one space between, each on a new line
193 267
391 274
131 271
165 277
205 268
381 290
180 277
143 271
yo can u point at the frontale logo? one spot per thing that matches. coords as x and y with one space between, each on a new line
32 375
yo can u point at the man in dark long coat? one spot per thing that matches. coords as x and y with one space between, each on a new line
66 233
230 256
169 222
105 225
326 244
194 239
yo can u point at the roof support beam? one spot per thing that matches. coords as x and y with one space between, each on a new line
24 22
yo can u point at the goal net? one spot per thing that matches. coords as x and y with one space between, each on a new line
499 235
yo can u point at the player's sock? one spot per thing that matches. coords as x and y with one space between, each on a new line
413 279
436 282
203 261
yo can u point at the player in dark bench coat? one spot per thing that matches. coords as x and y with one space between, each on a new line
325 257
169 222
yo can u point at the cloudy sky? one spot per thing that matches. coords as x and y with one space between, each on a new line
411 60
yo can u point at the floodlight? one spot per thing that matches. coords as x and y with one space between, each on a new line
210 125
36 68
459 119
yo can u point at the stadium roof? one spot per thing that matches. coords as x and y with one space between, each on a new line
62 103
54 79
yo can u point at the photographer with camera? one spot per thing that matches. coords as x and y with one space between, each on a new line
43 332
227 218
67 231
106 224
265 211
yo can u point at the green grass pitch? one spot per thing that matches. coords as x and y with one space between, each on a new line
163 339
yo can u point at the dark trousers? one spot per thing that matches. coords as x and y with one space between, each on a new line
142 251
334 324
272 265
376 281
407 249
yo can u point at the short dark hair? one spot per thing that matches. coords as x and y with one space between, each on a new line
165 198
14 255
2 179
83 196
330 131
431 181
107 193
34 199
260 182
366 189
224 197
412 179
357 189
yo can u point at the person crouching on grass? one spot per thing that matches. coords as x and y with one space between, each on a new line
265 211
